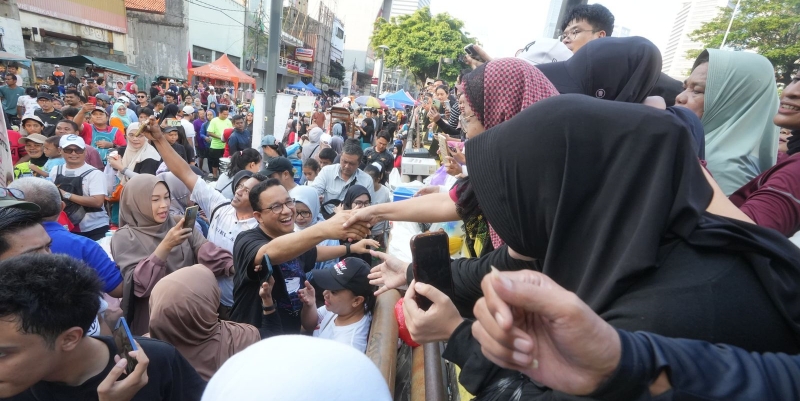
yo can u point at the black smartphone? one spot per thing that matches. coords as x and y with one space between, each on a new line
470 50
431 263
190 217
124 341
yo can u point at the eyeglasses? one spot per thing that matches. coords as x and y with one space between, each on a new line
361 203
277 209
15 193
70 151
243 188
574 33
141 97
304 214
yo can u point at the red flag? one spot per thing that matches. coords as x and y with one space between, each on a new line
189 61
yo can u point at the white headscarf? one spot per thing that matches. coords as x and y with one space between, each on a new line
311 369
132 156
308 196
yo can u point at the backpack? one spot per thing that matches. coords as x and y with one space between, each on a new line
214 212
74 185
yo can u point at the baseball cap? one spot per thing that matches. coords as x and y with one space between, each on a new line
268 140
38 138
56 66
14 198
325 138
210 87
545 50
172 81
278 165
123 99
72 139
32 117
98 108
349 274
103 97
44 95
188 110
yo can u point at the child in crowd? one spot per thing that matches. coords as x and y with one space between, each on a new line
32 124
310 170
349 300
53 154
382 195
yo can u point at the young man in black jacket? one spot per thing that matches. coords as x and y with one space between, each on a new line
47 303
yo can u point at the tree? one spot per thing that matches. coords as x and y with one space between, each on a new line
336 70
770 27
417 41
257 39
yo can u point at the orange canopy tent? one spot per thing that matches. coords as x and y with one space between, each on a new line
224 70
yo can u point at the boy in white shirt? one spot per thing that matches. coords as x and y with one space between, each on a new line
349 299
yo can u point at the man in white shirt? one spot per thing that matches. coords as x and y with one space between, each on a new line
227 217
188 126
83 189
333 181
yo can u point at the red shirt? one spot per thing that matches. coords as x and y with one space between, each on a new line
773 198
119 137
225 136
86 133
17 150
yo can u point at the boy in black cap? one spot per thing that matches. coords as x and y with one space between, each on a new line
349 300
282 169
47 113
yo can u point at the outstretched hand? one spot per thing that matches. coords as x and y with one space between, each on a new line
388 275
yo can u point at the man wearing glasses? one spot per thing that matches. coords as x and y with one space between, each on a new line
83 189
333 181
585 23
141 101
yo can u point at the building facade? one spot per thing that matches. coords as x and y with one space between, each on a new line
692 15
555 15
359 17
157 39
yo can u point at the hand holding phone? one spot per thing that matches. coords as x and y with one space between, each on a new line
125 343
431 264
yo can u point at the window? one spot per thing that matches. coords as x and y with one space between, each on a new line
339 33
201 54
235 60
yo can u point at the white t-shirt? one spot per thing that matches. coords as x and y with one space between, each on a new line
382 195
223 229
188 127
93 184
29 104
355 334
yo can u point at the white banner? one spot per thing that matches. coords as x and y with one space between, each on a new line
304 104
283 104
259 99
6 167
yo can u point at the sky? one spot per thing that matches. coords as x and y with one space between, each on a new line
504 26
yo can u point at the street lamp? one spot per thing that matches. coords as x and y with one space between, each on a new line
380 71
446 61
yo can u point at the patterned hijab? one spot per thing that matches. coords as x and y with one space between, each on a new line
499 89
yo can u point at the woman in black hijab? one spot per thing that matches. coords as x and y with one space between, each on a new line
616 212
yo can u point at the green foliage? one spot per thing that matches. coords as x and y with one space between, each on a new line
336 70
770 27
257 37
417 41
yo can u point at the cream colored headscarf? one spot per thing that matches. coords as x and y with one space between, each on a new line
132 156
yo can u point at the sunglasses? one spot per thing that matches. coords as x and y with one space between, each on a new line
13 192
70 151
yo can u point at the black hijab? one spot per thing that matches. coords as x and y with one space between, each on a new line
621 69
793 144
695 126
352 193
594 198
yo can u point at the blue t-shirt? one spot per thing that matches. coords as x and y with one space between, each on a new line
82 248
59 161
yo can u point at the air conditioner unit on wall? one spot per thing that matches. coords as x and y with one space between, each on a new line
36 34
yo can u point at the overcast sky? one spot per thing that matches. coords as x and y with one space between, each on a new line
504 26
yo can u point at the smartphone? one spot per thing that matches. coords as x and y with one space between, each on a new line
124 341
470 50
442 141
190 217
92 100
431 263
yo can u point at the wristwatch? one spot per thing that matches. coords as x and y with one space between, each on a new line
347 248
67 195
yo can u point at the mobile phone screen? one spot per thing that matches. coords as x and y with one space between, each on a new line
124 341
431 256
190 217
92 100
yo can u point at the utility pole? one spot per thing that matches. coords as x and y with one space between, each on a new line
272 65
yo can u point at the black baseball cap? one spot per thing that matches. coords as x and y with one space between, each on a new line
349 274
44 95
278 165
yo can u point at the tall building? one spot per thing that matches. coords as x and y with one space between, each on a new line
397 8
621 31
692 15
358 16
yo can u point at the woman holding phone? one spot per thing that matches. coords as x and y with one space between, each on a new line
151 244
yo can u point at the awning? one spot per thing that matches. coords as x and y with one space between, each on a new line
81 61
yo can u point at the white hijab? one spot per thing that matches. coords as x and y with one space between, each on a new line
338 372
132 156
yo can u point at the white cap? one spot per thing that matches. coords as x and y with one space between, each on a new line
172 81
68 140
56 66
325 138
124 99
188 110
210 87
545 50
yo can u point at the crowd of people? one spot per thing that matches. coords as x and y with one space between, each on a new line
628 235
